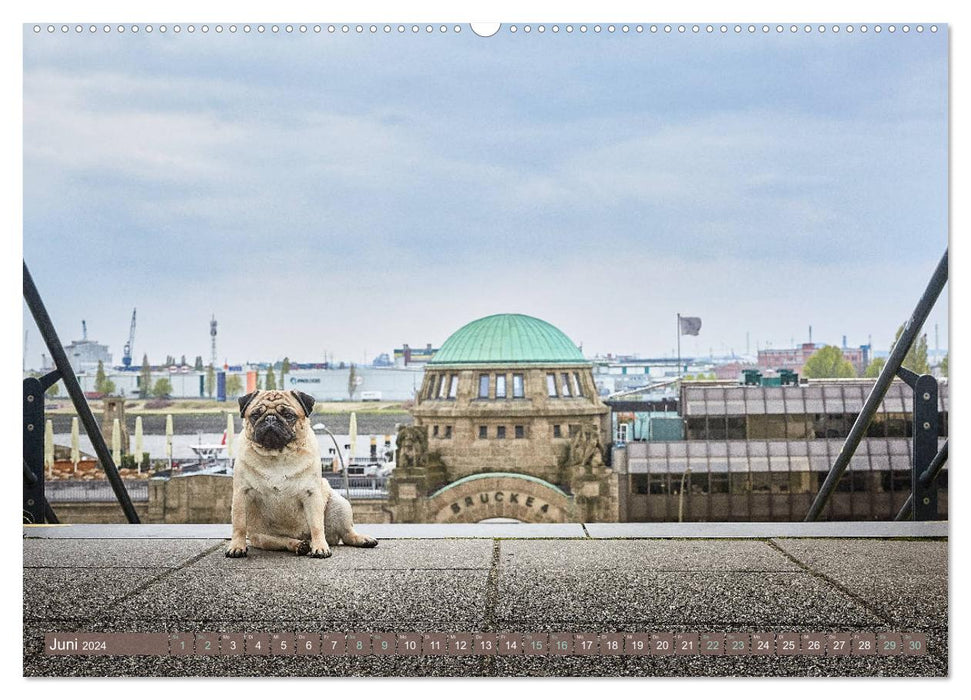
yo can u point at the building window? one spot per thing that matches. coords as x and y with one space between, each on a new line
557 432
435 431
518 388
500 386
448 432
442 387
735 428
501 432
565 385
453 386
431 387
551 385
520 432
483 386
483 432
577 386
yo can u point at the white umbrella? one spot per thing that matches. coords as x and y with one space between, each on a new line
49 447
168 438
230 434
350 455
138 442
75 444
116 441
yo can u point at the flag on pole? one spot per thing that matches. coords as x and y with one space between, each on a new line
690 325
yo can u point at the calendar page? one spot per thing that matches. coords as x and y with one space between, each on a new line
386 349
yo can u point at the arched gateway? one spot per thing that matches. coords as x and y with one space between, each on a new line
500 495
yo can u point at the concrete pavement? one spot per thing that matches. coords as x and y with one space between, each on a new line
580 578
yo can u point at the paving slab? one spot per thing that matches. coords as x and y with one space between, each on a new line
718 666
766 530
112 553
70 593
547 597
126 531
438 554
312 593
905 581
380 531
647 556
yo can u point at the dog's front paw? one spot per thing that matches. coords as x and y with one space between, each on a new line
368 542
235 551
320 552
303 547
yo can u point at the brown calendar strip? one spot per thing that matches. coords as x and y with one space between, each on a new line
834 644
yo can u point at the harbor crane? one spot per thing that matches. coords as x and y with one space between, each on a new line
126 358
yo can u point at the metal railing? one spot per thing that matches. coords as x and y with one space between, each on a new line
36 507
359 486
96 491
923 502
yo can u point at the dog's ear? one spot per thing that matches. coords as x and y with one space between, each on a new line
244 401
306 400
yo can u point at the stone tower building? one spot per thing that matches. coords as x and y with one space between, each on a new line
507 415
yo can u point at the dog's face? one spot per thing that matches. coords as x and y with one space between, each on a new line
274 419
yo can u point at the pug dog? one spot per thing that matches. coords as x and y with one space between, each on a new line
280 499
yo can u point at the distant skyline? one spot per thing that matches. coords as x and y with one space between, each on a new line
346 194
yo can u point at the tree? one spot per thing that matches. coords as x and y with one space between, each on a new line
102 384
351 382
162 388
916 359
827 362
284 371
270 379
198 365
234 385
259 382
145 378
875 367
210 380
944 364
53 390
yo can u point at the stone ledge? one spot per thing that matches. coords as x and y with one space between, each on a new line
528 530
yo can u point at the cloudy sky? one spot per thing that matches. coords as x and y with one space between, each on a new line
345 194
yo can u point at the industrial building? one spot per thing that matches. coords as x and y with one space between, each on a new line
752 453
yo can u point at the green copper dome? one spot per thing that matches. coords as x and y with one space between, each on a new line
507 338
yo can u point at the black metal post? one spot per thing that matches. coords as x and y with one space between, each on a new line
925 446
33 451
887 374
927 478
46 328
29 480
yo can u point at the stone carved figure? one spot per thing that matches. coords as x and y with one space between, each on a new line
585 448
412 448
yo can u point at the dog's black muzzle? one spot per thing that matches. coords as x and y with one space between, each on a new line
272 432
